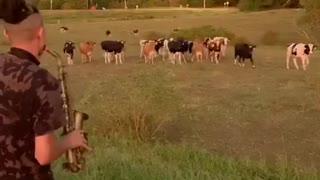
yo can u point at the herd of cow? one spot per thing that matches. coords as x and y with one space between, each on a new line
213 48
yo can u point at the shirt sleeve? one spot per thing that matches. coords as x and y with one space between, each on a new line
50 114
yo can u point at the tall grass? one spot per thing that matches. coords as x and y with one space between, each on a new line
129 160
135 106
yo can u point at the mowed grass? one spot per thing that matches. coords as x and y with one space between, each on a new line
236 123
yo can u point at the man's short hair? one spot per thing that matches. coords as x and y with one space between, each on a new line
25 31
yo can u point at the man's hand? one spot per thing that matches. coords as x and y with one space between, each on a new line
76 139
48 148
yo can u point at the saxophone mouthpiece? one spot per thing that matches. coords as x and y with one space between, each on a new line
45 48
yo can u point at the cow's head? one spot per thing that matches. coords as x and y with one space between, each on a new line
91 43
69 45
206 40
310 47
190 45
226 41
214 45
159 44
251 48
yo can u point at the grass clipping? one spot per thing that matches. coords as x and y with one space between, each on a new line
136 106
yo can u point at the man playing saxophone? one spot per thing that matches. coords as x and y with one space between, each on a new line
30 101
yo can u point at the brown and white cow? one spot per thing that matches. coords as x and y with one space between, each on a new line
302 51
150 50
214 48
142 42
224 43
86 49
197 50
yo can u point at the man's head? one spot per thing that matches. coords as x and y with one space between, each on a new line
29 34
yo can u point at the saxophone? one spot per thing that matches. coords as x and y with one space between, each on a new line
75 160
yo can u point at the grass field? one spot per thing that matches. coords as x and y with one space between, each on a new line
218 121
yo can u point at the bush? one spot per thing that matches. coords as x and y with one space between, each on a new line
270 38
240 39
136 106
201 32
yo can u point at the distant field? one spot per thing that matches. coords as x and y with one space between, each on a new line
267 118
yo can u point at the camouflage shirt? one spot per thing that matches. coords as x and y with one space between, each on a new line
30 105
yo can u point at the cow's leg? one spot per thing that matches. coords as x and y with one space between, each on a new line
68 59
235 60
90 57
201 57
307 61
303 59
105 57
152 58
71 58
116 58
141 51
120 58
145 59
184 58
192 56
243 59
216 57
82 58
223 51
171 58
109 57
288 61
295 63
252 63
180 59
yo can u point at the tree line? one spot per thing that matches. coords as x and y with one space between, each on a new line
242 4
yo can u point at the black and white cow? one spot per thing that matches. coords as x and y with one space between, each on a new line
179 47
164 49
68 50
302 51
243 51
113 47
